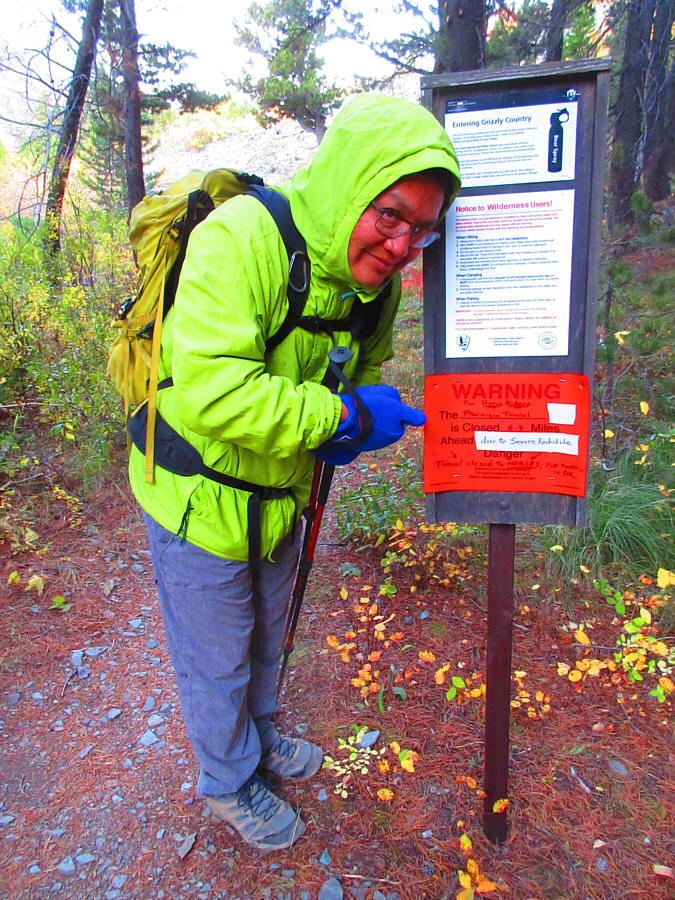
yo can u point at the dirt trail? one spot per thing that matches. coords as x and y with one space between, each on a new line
98 781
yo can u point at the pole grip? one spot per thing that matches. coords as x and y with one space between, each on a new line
338 357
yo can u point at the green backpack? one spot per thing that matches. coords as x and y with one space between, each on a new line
160 227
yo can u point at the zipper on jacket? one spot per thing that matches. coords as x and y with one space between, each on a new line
182 528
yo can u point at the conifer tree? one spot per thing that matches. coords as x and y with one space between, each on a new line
287 35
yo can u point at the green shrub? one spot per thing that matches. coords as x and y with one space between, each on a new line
630 517
381 497
54 339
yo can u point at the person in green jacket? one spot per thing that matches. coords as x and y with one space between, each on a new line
366 205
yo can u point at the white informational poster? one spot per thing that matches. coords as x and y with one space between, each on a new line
515 145
508 270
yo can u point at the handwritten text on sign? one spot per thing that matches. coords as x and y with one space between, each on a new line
506 432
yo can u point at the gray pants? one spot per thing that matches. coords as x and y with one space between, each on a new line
224 624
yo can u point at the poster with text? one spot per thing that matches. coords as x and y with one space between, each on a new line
508 271
506 432
514 144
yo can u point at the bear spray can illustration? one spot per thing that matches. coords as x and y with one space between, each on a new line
555 140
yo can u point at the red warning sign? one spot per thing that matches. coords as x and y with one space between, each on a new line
506 432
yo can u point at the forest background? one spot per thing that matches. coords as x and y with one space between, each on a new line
99 105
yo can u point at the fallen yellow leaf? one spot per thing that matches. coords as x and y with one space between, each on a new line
575 675
385 795
37 582
582 637
332 641
464 879
472 869
665 578
408 760
666 684
563 668
395 747
427 656
344 593
644 407
609 433
485 886
439 675
465 844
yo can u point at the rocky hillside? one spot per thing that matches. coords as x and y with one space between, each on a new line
228 137
209 140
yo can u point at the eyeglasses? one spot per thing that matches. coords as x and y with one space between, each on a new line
392 224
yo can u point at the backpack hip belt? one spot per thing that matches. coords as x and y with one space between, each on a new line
177 455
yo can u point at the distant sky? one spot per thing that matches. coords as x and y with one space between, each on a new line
203 26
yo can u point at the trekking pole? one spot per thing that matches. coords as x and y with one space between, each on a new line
323 476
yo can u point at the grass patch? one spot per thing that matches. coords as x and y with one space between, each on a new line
630 518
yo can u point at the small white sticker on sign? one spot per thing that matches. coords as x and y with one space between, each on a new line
562 413
510 441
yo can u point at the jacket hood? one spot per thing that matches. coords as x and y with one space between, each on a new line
373 142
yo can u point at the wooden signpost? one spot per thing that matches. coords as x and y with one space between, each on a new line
509 322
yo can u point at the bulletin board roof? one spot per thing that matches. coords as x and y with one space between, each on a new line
489 76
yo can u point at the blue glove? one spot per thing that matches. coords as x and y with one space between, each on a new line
390 418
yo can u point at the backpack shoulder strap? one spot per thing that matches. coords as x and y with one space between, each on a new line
199 205
299 268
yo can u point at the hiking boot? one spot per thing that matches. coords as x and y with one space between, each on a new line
262 819
292 758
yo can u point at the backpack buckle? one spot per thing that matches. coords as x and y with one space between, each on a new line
313 324
300 257
125 307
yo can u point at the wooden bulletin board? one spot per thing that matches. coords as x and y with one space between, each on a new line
510 294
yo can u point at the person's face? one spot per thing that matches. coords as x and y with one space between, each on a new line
372 256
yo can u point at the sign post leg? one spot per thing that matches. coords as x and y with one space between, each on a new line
501 557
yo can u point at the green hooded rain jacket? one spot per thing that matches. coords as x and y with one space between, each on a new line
257 418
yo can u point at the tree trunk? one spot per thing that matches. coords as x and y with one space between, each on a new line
556 30
133 150
628 113
70 126
657 141
460 43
